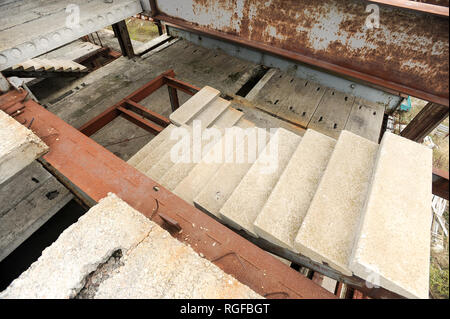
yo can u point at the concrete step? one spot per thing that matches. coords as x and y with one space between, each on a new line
201 173
179 170
218 189
210 112
328 230
393 238
248 199
156 154
228 118
194 105
284 211
150 146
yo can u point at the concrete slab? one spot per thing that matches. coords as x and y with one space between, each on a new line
163 267
194 105
61 270
216 192
19 146
284 211
393 241
150 146
328 230
248 199
49 25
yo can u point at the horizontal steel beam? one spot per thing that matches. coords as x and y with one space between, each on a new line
334 36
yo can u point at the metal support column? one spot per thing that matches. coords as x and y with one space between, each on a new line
121 32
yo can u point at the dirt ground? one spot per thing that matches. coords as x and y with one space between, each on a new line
140 30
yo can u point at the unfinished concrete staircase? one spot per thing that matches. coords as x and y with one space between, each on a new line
333 201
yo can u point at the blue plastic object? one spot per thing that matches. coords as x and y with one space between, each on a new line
407 106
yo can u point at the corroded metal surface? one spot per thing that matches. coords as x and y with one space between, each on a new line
408 52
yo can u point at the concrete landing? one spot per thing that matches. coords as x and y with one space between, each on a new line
283 214
393 243
248 199
18 146
328 230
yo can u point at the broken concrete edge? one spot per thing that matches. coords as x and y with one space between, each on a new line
22 154
19 288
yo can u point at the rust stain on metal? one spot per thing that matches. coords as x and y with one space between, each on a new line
409 48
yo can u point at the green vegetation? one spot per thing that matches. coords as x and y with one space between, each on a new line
438 282
141 30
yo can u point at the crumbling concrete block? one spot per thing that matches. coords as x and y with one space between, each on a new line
163 267
60 272
152 263
19 146
247 200
284 211
328 230
392 249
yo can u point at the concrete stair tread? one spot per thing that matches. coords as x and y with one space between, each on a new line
248 199
150 146
202 172
392 247
220 186
194 105
228 118
210 112
284 211
328 230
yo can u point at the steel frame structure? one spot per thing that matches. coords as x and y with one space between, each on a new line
91 172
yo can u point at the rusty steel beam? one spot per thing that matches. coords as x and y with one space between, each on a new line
333 35
92 172
425 122
146 113
440 183
140 121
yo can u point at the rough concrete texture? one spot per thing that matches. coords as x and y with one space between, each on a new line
113 251
247 200
61 270
216 192
194 105
19 146
150 146
163 267
284 211
393 242
329 228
